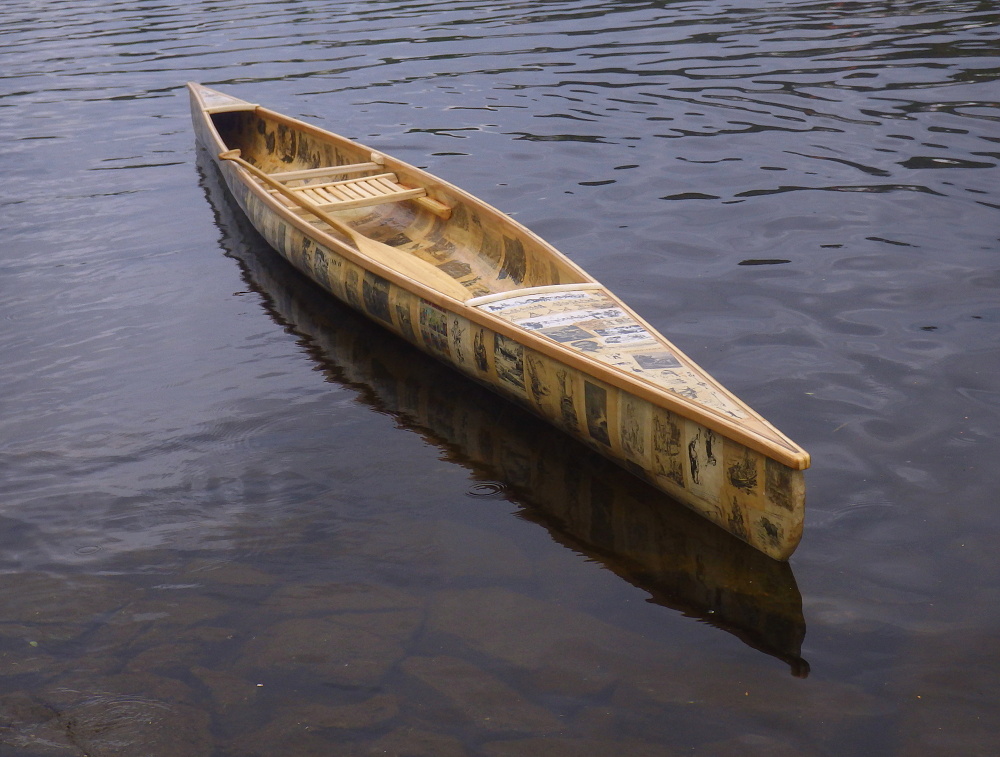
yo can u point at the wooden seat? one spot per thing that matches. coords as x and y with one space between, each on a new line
318 188
357 193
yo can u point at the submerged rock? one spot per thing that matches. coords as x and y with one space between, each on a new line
556 747
358 652
127 715
482 699
411 742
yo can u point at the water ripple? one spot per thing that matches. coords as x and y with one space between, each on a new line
802 194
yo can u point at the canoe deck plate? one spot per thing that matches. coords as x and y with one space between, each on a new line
594 323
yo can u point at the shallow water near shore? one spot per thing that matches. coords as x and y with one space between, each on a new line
238 519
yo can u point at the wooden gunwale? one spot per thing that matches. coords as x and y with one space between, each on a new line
768 441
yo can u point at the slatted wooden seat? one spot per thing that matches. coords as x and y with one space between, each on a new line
358 193
317 188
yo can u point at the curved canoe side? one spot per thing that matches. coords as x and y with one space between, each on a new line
715 454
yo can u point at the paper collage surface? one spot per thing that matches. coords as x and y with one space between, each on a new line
592 322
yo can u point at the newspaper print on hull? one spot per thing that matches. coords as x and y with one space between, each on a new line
717 477
594 323
748 495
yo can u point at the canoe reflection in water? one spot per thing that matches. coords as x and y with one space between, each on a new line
584 501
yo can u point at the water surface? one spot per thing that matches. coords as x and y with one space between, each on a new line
238 520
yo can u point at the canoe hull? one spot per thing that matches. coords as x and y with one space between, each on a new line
756 498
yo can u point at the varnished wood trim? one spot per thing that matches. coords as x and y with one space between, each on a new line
486 299
312 173
231 108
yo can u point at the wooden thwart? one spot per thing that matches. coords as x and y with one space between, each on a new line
320 173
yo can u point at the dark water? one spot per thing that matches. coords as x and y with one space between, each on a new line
236 520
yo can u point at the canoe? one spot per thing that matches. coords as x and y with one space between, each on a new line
583 501
467 284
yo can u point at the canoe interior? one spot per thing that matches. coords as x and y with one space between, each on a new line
475 244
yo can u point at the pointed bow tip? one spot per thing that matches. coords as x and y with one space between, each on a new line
214 101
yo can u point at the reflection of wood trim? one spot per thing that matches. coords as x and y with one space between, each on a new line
486 299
